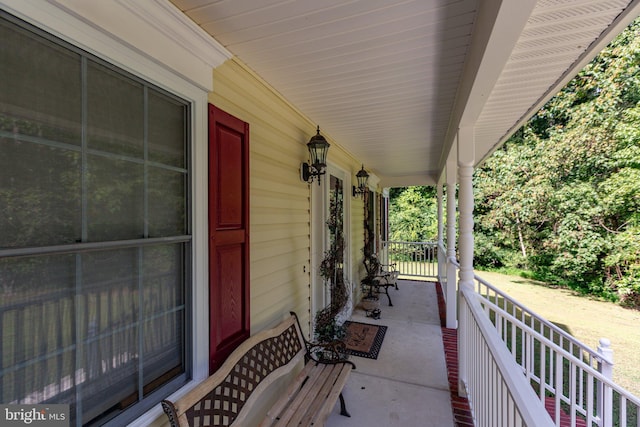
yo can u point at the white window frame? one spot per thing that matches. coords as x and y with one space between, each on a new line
155 41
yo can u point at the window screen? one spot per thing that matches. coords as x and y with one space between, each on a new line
94 231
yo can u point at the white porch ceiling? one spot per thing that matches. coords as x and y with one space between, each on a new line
392 81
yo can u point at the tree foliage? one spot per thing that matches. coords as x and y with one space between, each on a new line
562 196
413 215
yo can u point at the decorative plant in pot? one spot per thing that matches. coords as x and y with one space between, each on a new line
330 331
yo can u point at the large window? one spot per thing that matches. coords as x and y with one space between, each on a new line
94 232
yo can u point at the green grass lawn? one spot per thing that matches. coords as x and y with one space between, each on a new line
585 318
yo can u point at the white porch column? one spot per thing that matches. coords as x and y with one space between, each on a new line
441 256
452 282
466 154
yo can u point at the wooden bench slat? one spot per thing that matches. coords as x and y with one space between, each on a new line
305 401
294 406
312 408
330 402
281 404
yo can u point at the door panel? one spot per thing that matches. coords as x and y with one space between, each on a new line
228 235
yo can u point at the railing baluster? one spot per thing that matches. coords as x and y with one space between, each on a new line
580 384
543 371
572 392
529 359
590 408
558 387
514 341
19 382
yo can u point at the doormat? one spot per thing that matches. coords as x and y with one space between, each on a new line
363 339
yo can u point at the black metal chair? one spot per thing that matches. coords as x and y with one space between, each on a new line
378 278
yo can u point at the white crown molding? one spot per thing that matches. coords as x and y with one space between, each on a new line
165 17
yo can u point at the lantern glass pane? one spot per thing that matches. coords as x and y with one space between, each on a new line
318 153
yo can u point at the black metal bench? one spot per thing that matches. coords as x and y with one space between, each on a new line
224 399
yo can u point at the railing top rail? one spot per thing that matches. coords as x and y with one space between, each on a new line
538 317
522 394
433 243
544 321
568 356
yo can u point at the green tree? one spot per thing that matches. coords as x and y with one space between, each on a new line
562 196
413 215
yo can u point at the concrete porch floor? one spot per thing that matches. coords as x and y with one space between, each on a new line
407 385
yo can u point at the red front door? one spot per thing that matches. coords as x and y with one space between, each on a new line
228 235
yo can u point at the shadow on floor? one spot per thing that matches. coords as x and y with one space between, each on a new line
407 385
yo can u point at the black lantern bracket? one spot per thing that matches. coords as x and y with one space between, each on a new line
308 173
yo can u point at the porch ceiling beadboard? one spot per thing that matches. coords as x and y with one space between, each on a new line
392 81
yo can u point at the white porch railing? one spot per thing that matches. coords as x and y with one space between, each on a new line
497 397
413 259
568 375
571 380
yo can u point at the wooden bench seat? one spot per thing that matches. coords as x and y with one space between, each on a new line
225 398
311 397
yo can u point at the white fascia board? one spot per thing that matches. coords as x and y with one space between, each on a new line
503 30
407 181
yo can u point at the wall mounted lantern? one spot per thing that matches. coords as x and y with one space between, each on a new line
318 148
362 177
